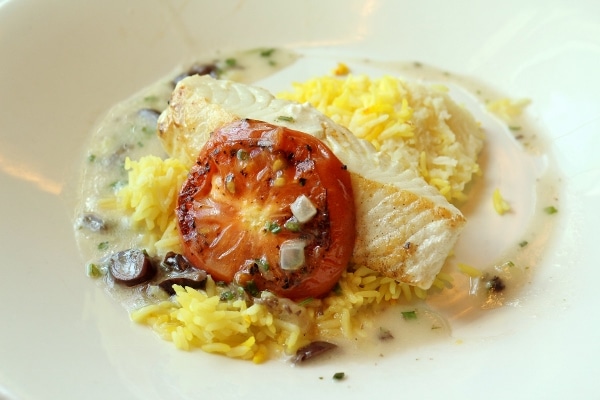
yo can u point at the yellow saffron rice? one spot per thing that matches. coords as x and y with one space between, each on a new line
424 127
202 319
501 206
417 125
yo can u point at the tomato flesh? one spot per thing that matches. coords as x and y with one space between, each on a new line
234 209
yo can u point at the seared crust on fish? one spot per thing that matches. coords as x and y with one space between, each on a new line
405 229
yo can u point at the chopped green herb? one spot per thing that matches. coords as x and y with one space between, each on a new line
241 155
251 288
338 376
272 63
550 210
407 315
306 301
267 52
292 224
273 227
102 245
285 118
148 130
337 289
92 158
226 296
116 185
231 62
93 271
523 243
514 128
262 264
240 291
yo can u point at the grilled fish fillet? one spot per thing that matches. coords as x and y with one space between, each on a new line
405 229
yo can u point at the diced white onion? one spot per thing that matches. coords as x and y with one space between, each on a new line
303 209
291 254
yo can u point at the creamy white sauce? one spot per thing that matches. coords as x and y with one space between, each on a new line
125 132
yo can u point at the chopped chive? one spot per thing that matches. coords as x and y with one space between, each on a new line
337 289
251 288
231 62
93 271
550 210
116 185
407 315
92 158
102 245
523 243
262 264
338 376
285 118
273 227
292 225
267 52
306 301
228 295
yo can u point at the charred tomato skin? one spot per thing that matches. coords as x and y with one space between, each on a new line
242 185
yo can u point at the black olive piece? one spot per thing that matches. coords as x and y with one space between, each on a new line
149 114
495 284
175 262
118 156
198 282
131 267
198 69
92 222
312 350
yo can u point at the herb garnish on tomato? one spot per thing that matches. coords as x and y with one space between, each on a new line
261 194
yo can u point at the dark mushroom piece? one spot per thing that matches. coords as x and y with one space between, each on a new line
193 281
175 262
198 69
182 273
131 267
92 222
496 284
149 114
312 350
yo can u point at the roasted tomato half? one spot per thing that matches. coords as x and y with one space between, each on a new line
269 208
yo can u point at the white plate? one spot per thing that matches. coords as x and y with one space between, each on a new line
65 63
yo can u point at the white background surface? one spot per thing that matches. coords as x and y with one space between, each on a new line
63 64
